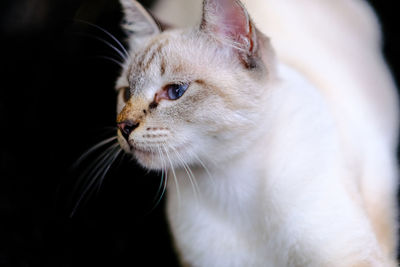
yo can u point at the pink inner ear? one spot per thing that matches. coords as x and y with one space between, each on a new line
229 19
233 19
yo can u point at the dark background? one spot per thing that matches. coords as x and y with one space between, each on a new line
56 101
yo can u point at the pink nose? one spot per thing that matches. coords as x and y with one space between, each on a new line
126 127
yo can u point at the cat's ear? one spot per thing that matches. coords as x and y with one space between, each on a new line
137 21
229 23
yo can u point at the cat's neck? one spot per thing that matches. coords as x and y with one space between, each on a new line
237 186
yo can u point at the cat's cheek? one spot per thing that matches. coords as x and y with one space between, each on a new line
146 159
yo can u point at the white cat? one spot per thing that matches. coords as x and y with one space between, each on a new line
282 158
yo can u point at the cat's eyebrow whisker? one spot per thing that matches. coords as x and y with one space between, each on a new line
113 47
112 60
124 50
174 175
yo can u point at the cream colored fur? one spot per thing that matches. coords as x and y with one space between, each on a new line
292 164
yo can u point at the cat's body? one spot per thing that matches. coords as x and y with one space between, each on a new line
292 157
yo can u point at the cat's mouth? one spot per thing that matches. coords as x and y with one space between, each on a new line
157 150
140 150
146 157
135 149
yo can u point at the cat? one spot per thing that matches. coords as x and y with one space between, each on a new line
277 134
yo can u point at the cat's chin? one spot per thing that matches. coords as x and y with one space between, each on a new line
148 159
157 157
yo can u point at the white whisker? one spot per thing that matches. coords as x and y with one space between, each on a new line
93 148
98 161
112 60
190 175
98 168
163 182
205 168
174 175
107 43
98 164
105 171
161 187
126 54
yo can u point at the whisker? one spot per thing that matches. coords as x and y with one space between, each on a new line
165 173
205 168
161 191
189 173
109 34
98 163
91 169
162 175
121 160
92 149
163 182
105 171
121 54
112 60
95 165
193 181
174 175
160 188
97 168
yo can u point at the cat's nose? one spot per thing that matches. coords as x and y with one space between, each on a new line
126 127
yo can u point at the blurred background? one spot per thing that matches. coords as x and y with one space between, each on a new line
56 101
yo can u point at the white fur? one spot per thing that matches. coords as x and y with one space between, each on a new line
318 160
283 203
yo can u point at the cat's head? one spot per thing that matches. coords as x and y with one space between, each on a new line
194 95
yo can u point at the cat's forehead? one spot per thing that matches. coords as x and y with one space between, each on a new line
169 53
154 47
178 56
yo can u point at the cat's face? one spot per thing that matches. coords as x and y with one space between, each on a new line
185 98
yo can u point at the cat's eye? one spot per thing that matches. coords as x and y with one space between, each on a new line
126 93
175 91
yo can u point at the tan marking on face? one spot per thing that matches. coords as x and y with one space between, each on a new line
151 52
146 51
201 82
162 66
124 114
177 69
132 111
154 53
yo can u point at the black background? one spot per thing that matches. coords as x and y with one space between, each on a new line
56 101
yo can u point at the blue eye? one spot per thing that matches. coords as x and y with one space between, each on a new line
175 91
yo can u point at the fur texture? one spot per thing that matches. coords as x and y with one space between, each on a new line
281 152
